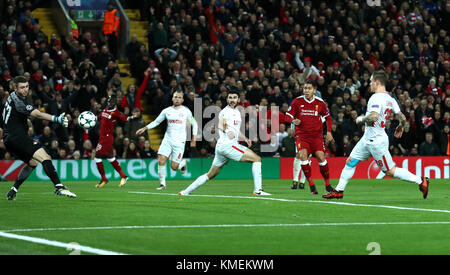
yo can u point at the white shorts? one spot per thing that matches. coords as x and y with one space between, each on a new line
378 149
227 151
172 150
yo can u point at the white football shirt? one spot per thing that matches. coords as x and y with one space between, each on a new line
385 105
233 121
176 123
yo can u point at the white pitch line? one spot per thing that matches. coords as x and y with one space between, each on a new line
222 226
307 201
58 244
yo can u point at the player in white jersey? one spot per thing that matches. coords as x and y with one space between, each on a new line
227 148
375 142
174 139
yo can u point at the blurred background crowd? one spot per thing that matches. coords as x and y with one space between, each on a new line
264 49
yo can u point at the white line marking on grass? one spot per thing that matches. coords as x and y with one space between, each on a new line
58 244
225 226
307 201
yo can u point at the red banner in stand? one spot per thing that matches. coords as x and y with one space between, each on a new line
432 167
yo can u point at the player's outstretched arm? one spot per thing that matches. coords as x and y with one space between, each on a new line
154 123
61 119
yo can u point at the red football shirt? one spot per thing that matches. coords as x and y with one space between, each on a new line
108 120
310 114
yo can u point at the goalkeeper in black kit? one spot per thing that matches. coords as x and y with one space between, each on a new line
14 117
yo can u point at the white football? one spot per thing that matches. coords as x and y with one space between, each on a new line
87 120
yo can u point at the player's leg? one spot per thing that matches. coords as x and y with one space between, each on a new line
100 167
360 152
162 171
301 183
23 175
116 165
244 154
303 152
306 167
387 165
324 169
176 157
41 156
212 173
296 171
164 152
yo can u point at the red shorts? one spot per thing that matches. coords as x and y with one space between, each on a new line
104 146
311 144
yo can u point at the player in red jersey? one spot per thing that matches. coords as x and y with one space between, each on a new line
108 118
306 113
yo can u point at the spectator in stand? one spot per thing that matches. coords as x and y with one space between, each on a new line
429 147
409 41
135 124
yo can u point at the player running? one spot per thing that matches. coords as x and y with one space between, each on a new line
227 148
108 118
375 142
175 137
307 112
17 141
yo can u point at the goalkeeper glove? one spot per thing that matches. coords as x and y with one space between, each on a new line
61 119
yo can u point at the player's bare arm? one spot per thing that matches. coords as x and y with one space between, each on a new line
329 137
153 124
223 127
244 138
369 119
194 124
399 130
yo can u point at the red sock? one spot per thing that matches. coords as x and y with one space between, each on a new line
101 170
117 167
307 170
325 174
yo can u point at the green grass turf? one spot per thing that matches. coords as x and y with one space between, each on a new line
111 206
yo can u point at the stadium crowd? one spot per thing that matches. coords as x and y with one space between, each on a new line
264 49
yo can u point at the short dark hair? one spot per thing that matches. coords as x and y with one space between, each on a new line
312 82
233 91
20 79
381 76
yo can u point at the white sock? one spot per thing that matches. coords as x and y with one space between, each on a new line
182 164
346 175
162 174
196 184
404 174
297 169
302 177
257 178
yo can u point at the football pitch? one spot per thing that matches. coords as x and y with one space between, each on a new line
223 218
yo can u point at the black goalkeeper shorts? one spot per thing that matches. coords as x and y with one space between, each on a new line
22 147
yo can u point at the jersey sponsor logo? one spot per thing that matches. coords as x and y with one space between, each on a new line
176 121
106 115
375 106
309 113
236 122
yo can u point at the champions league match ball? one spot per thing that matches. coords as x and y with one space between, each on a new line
87 120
